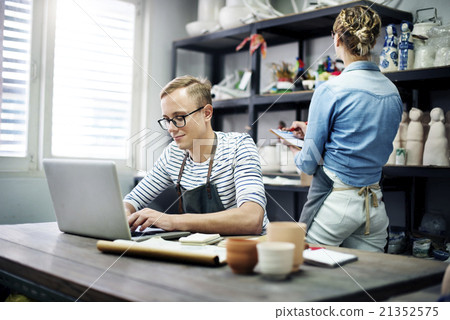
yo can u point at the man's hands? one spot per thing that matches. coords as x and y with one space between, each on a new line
149 217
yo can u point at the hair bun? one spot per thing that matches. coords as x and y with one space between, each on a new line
364 35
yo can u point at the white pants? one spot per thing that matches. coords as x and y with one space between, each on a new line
342 217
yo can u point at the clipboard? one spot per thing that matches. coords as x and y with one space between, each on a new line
288 137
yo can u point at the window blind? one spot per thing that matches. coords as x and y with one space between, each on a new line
15 56
92 81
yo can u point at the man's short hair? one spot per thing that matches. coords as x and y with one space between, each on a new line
198 89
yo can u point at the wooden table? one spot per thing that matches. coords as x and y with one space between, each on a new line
46 264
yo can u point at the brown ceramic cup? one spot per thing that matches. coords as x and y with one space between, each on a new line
293 232
242 255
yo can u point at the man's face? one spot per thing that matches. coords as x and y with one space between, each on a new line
178 103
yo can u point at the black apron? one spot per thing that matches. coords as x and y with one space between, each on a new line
204 198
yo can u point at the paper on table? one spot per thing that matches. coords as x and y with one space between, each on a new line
167 250
327 258
288 137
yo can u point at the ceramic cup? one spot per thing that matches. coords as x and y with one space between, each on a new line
241 255
275 259
293 232
421 248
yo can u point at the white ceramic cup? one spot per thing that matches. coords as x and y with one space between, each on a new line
275 259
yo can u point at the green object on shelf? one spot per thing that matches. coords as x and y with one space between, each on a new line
16 297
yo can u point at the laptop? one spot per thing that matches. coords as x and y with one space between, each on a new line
87 201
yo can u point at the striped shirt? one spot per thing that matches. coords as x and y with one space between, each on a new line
236 172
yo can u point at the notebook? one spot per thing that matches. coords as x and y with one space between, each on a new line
87 200
327 258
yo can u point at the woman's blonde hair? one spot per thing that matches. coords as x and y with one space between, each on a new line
198 89
358 28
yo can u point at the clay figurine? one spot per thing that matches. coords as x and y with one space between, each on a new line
400 137
389 54
436 148
447 129
426 119
406 47
414 139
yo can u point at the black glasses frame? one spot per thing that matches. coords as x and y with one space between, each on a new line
164 123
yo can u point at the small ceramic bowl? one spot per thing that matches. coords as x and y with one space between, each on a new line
242 255
275 259
308 84
441 255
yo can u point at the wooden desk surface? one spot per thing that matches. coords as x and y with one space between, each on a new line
70 264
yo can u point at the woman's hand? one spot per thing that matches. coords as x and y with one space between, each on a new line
298 128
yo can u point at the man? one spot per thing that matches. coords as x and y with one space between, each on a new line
217 175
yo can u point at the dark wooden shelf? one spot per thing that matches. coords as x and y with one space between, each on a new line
417 171
220 42
231 103
289 97
319 22
285 29
421 78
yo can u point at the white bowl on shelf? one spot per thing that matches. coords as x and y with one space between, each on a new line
231 16
197 28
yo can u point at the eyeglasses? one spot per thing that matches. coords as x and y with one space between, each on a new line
178 121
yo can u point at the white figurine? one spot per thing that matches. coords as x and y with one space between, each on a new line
406 47
426 119
389 54
447 129
400 137
414 139
436 147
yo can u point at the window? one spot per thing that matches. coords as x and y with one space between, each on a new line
92 78
15 18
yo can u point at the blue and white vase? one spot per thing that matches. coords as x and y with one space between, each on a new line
406 47
389 54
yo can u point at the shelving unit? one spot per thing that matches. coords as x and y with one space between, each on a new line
414 87
294 28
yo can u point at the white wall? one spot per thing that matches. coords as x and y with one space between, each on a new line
24 197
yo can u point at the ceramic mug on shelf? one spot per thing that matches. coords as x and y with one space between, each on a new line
293 232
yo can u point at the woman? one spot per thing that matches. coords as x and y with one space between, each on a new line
352 123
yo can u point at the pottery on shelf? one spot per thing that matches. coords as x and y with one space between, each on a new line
389 54
233 14
400 137
414 139
406 47
207 18
436 147
447 129
270 159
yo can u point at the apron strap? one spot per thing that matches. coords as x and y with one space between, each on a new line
211 160
366 191
180 198
208 184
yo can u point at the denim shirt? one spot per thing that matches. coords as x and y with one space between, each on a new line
352 122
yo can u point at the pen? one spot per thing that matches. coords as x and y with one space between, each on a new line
293 129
